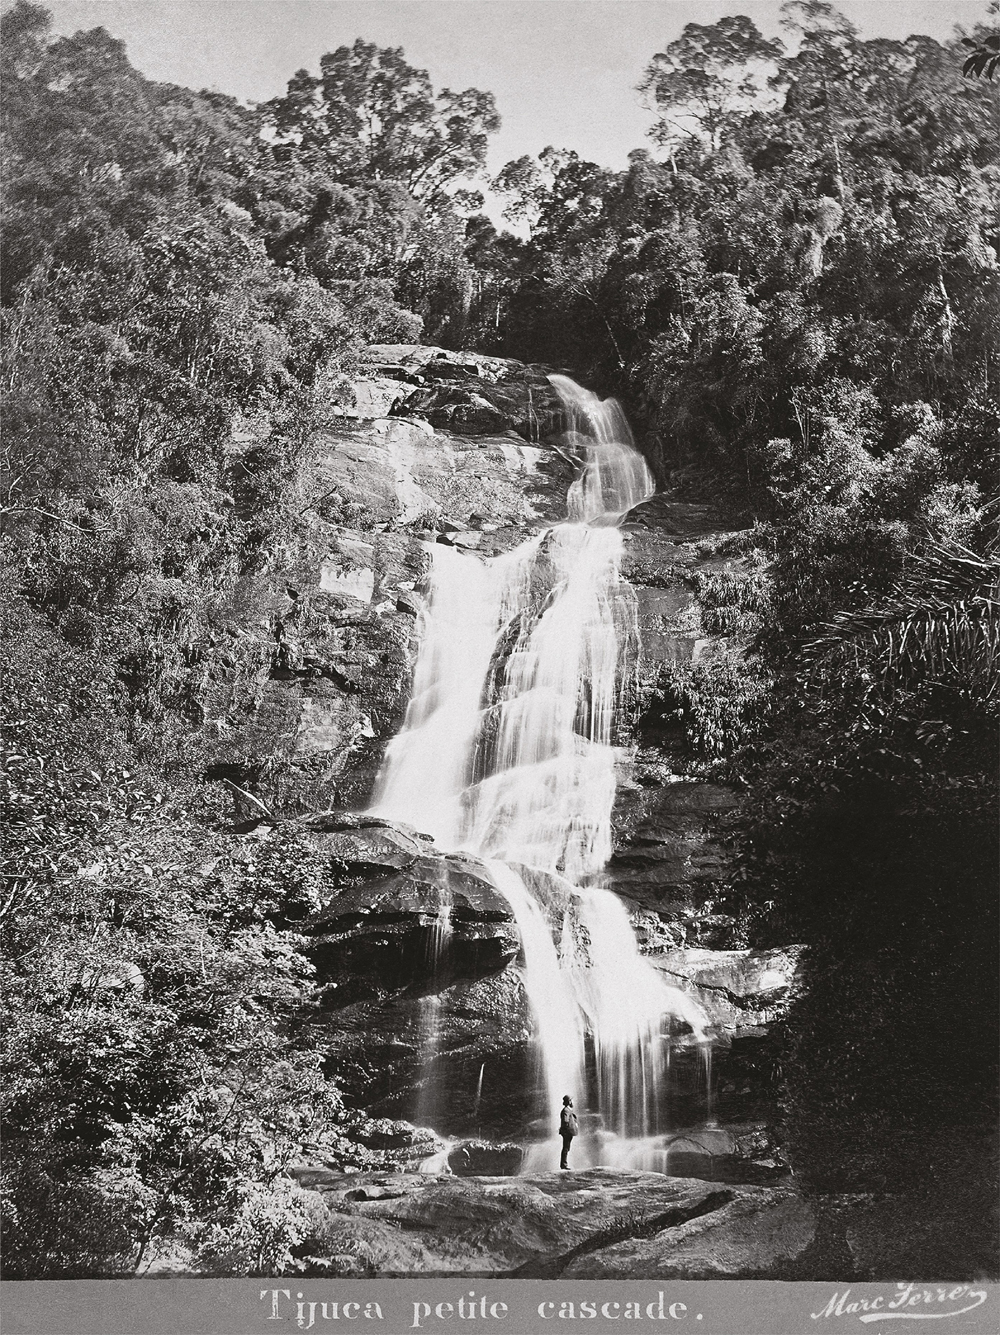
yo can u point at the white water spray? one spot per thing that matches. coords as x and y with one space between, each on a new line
507 751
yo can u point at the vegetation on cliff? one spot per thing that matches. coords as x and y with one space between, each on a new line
797 297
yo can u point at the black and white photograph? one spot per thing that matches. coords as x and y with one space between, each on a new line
500 613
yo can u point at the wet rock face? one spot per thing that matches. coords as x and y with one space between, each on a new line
668 856
667 544
744 995
455 1057
424 1019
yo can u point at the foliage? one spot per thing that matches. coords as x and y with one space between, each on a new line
942 626
157 1078
985 56
718 702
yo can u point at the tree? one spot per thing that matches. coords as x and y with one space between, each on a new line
559 194
706 77
156 1074
369 116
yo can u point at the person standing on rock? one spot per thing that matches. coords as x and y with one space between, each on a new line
568 1127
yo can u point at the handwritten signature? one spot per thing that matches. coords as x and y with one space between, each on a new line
931 1301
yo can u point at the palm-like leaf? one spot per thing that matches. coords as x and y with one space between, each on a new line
941 623
985 57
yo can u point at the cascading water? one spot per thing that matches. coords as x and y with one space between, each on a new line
439 932
507 751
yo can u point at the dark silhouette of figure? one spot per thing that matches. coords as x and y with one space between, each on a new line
568 1127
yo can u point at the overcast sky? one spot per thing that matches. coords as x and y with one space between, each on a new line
563 71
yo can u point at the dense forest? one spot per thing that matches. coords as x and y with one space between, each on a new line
795 293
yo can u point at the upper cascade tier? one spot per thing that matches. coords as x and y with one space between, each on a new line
615 477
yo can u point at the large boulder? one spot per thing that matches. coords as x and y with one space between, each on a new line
399 913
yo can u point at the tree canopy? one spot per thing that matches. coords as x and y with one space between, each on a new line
706 77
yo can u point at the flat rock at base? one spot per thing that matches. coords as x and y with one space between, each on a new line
429 1225
757 1233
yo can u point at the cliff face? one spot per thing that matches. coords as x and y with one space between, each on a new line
319 668
465 450
667 856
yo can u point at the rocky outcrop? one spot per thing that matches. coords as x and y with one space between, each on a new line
550 1225
309 672
741 991
468 393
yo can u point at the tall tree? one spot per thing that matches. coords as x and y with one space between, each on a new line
705 77
371 116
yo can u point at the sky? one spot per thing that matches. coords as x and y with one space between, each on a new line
563 71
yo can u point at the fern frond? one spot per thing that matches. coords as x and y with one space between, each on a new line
941 623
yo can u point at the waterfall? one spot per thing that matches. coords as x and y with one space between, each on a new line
507 751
